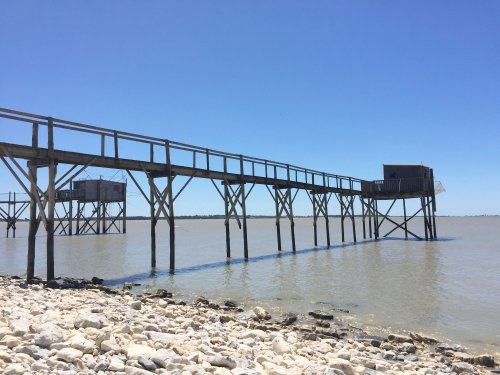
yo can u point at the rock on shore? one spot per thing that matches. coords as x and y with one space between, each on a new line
88 331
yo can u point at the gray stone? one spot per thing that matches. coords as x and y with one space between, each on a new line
108 345
69 355
81 343
460 367
136 305
147 364
322 315
46 338
408 348
116 364
441 347
86 320
421 338
5 356
101 366
14 369
246 316
222 361
485 360
288 318
389 355
19 327
226 319
135 351
344 354
230 303
400 338
261 313
10 341
280 346
35 352
39 366
201 300
163 357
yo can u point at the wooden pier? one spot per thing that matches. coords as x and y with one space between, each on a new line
11 210
234 185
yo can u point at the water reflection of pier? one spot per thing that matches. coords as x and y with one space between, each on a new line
234 177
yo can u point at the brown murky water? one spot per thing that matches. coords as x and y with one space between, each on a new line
448 288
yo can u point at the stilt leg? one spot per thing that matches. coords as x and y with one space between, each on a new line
172 223
226 224
33 225
244 219
278 228
327 220
153 222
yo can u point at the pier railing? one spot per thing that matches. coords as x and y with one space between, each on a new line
200 158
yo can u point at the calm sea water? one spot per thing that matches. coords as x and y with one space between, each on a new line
448 288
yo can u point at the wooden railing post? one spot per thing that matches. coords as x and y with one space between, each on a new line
103 145
115 136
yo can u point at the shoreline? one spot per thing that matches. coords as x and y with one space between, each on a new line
94 329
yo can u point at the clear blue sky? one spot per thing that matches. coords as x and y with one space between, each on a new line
339 86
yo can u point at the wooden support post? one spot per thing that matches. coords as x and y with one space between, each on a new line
70 215
98 209
422 202
375 219
14 218
244 220
429 217
315 216
50 202
226 213
124 213
370 211
434 216
171 221
104 214
170 207
33 225
78 210
363 215
290 204
8 216
315 220
342 217
433 204
278 214
153 221
404 217
353 218
278 227
243 209
327 220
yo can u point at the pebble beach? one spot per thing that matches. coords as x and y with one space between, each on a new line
50 329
